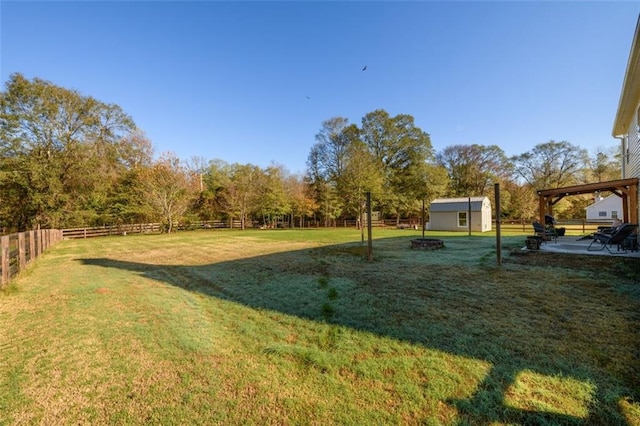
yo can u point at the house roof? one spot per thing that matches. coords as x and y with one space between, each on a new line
456 204
630 88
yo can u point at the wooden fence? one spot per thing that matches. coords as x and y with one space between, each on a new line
103 231
143 228
575 226
20 249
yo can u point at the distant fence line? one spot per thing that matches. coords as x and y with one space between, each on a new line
103 231
141 228
19 249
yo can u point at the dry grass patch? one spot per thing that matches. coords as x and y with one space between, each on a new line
296 327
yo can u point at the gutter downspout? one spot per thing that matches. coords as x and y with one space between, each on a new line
623 158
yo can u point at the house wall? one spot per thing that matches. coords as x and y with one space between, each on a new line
631 159
607 205
631 150
626 126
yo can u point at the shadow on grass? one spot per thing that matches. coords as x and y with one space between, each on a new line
523 317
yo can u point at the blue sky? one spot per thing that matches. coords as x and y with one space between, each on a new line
252 82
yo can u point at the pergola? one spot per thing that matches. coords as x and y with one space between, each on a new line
627 189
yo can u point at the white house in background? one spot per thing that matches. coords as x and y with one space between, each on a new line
452 214
605 209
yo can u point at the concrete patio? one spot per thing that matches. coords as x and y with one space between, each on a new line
573 244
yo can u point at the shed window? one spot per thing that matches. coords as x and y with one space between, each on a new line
462 219
614 214
602 214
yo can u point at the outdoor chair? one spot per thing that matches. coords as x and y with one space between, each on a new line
610 229
541 231
607 240
549 220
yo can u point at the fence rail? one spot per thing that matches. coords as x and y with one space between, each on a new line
19 249
141 228
103 231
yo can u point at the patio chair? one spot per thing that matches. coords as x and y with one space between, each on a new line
549 220
607 240
541 231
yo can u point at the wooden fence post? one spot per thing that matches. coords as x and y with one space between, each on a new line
496 188
4 259
32 245
22 261
38 243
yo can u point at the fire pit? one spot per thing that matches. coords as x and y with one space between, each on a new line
427 243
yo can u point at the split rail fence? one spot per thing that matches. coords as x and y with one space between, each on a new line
19 249
104 231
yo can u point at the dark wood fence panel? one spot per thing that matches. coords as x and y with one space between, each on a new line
18 250
143 228
103 231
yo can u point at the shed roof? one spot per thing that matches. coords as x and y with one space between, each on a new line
457 204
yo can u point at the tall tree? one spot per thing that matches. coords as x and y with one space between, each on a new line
551 165
273 198
401 150
330 150
361 174
326 164
58 151
604 165
472 169
168 188
211 202
242 191
519 201
302 202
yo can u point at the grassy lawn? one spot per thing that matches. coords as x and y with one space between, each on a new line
296 327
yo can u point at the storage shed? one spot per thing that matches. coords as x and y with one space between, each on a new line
607 209
452 214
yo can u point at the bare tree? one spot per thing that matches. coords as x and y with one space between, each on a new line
551 165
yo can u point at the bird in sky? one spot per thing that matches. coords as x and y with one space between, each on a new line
365 68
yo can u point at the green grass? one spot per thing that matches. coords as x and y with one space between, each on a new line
297 327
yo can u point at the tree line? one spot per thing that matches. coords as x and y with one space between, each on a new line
67 160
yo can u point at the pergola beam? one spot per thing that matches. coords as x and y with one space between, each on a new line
627 189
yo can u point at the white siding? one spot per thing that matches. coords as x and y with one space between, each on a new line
605 209
631 158
443 214
632 155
